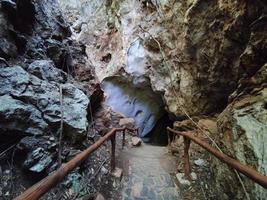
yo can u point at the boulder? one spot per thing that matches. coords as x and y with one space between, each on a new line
38 160
127 122
136 141
15 115
31 105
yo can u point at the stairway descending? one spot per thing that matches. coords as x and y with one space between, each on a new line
148 172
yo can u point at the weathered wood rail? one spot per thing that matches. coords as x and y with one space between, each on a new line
43 186
244 169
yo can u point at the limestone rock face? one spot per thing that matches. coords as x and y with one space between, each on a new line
193 62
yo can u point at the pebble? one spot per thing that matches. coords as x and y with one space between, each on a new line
104 170
182 180
199 162
100 197
117 173
193 176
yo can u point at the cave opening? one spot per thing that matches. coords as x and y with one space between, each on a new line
135 99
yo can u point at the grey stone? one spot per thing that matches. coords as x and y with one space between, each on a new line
38 160
74 181
127 122
30 143
46 70
193 176
7 49
104 170
117 173
17 116
199 162
37 101
182 180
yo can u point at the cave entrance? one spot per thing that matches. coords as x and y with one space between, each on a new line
135 99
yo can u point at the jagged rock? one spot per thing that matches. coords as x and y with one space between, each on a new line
196 58
7 49
46 71
13 112
74 181
30 143
38 160
40 101
136 141
104 170
127 122
56 51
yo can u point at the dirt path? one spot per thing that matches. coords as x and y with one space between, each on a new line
147 174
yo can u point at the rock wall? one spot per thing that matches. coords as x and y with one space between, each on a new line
37 57
204 56
166 41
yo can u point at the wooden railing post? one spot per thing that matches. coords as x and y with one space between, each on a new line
187 166
123 138
113 147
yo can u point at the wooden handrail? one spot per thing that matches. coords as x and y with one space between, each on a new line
43 186
244 169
